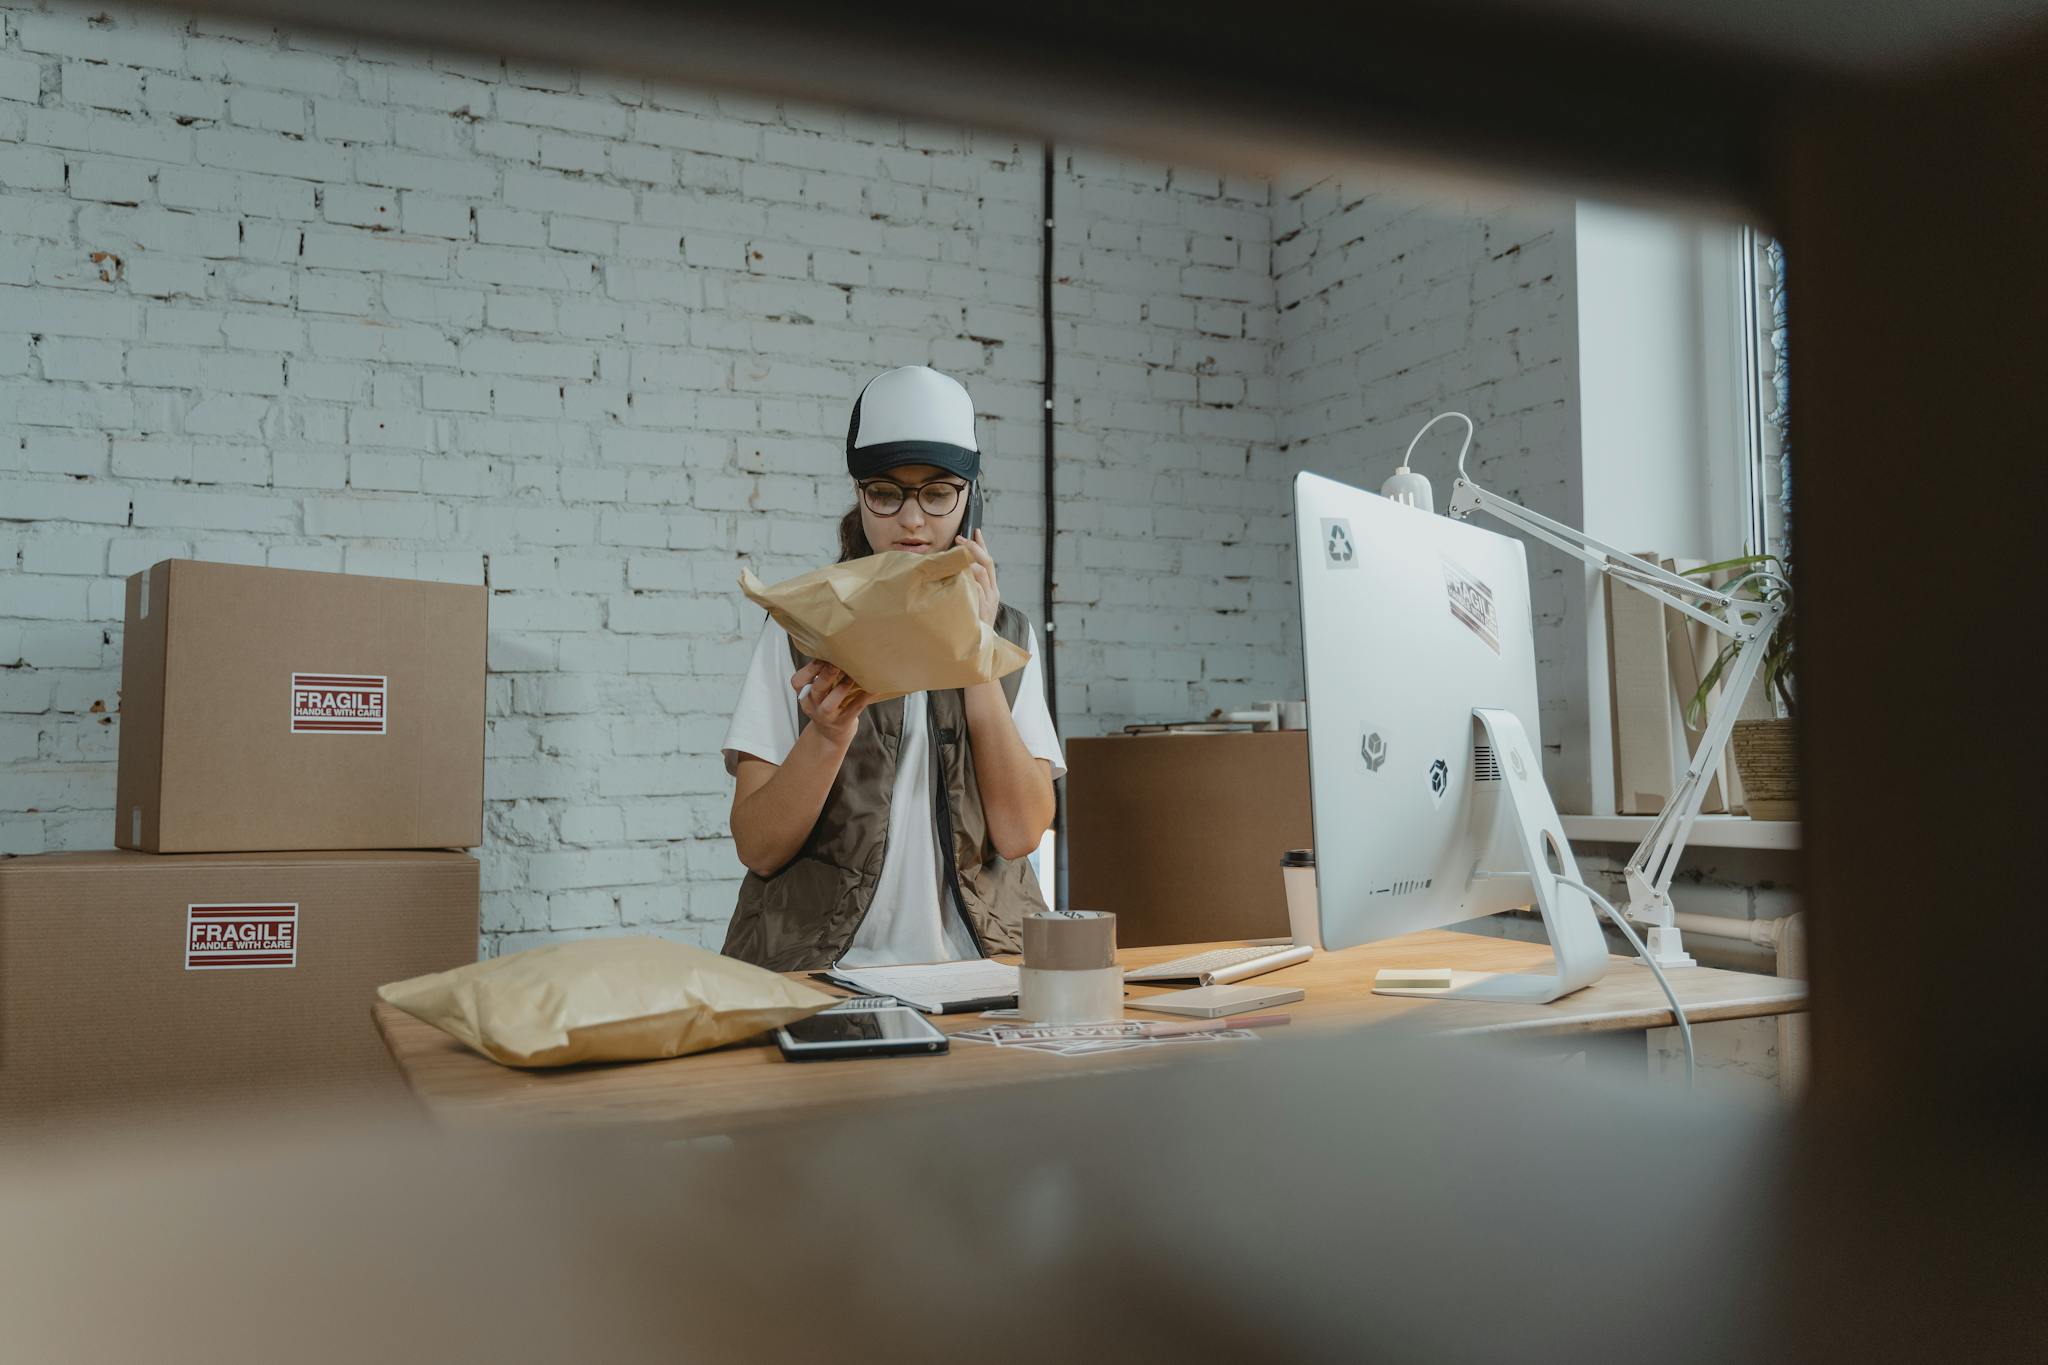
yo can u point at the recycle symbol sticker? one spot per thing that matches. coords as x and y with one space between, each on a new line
1340 548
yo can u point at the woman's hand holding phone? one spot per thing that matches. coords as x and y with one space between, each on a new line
984 571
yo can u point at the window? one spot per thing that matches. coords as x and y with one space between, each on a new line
1767 419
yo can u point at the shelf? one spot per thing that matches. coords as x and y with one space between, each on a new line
1708 831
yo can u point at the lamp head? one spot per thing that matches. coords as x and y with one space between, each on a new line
1406 485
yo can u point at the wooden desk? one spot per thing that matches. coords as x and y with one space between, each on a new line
748 1084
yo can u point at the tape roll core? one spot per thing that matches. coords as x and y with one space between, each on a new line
1070 941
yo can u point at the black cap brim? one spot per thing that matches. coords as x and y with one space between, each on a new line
865 462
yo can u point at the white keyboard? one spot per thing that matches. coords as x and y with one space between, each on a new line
1234 963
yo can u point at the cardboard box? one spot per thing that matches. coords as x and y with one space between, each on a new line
279 709
1646 767
1181 835
1693 649
128 979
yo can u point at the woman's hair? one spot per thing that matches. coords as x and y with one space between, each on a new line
853 537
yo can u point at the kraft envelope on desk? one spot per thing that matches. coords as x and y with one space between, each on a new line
895 622
603 1000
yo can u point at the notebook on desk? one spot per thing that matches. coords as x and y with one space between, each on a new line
935 987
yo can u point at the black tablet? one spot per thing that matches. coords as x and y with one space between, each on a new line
862 1031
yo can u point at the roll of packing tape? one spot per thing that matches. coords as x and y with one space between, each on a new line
1094 996
1069 940
1070 974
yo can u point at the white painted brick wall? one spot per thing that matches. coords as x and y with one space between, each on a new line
268 299
1395 305
1173 539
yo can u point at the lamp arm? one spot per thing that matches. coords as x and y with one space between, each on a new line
1748 622
1649 869
1674 590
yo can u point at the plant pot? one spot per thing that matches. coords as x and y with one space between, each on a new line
1767 757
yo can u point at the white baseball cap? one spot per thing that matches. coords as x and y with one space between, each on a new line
913 415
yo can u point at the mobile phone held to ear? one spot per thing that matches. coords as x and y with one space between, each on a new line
860 1029
971 523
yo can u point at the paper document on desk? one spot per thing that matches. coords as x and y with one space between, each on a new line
1081 1040
932 986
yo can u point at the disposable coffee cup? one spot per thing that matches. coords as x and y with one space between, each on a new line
1298 876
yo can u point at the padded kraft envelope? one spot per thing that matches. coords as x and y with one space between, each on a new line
895 622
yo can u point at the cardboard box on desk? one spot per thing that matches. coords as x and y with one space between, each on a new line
1181 834
134 979
281 709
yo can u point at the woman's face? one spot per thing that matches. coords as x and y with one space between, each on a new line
912 528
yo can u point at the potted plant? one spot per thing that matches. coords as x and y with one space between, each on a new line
1766 756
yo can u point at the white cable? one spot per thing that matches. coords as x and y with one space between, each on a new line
1469 431
1677 1011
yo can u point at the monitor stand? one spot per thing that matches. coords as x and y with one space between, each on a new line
1528 818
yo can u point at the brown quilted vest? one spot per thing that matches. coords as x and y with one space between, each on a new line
805 915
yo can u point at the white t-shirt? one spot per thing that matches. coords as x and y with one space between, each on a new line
904 923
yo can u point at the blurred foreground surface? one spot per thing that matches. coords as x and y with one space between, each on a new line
1350 1198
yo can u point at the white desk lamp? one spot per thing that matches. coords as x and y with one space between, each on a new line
1747 621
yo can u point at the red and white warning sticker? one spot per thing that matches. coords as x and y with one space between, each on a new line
241 936
339 704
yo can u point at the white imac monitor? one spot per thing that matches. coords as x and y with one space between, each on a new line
1425 766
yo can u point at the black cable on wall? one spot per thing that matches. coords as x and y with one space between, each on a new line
1050 650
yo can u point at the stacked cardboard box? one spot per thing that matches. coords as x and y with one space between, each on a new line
291 744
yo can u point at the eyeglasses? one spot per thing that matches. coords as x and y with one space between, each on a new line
885 499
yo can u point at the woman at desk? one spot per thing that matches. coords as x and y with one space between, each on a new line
845 809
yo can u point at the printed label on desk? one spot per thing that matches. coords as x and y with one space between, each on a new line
339 704
1472 603
240 936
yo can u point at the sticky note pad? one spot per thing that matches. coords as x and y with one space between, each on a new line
1413 979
